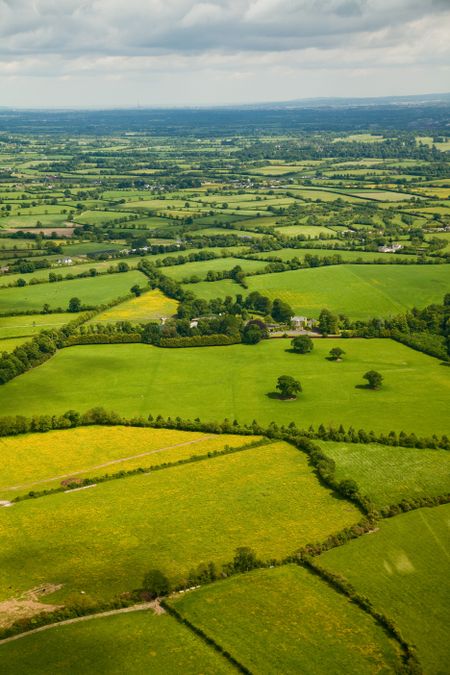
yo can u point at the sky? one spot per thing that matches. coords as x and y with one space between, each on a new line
125 53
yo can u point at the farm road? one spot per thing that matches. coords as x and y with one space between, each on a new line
104 465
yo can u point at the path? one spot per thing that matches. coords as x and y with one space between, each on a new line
102 466
154 605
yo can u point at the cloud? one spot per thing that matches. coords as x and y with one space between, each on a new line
240 40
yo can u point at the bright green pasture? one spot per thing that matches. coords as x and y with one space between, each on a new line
221 231
389 474
265 497
98 217
287 620
63 270
366 256
43 460
234 382
359 291
23 220
8 344
30 324
91 291
86 247
313 231
202 267
404 570
132 643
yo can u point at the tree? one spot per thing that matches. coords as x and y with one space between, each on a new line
288 386
373 378
336 354
136 290
74 305
281 311
156 584
302 344
348 487
328 323
245 559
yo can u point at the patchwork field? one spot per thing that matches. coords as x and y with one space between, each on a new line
132 643
91 291
202 267
388 474
147 307
238 381
121 529
359 291
404 570
312 628
40 461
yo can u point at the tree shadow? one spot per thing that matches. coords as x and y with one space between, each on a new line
366 386
277 396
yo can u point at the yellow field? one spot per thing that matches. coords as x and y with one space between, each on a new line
148 306
38 461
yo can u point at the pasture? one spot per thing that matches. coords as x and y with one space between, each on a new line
91 291
40 461
126 643
202 267
147 307
312 628
358 291
238 382
389 474
404 569
30 324
266 497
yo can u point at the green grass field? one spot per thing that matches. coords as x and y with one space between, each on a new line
91 291
366 256
40 461
387 474
135 643
202 267
266 498
286 620
236 381
313 231
8 344
359 291
404 569
30 324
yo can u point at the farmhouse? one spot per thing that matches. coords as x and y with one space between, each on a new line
302 322
393 248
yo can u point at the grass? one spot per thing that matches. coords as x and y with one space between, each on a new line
202 267
91 291
404 570
30 324
388 474
312 231
8 344
266 498
312 628
147 307
136 643
358 291
32 461
235 382
367 256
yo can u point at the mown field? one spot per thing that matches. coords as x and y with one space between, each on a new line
202 267
404 569
40 461
312 628
127 643
91 291
358 291
147 307
366 256
266 498
30 324
388 474
239 382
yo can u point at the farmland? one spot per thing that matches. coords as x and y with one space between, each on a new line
404 569
103 556
314 630
224 377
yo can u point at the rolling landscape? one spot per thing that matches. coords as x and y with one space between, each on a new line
224 357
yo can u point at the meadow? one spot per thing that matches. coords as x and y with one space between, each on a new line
238 382
202 267
404 568
132 643
358 291
312 628
388 474
91 291
149 306
40 461
30 324
366 256
122 528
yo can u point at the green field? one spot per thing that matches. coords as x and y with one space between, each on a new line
236 381
91 291
404 570
366 256
8 344
120 529
312 231
30 324
202 267
147 307
389 474
135 643
40 461
312 628
358 291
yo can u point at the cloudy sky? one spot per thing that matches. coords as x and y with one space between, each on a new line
174 52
